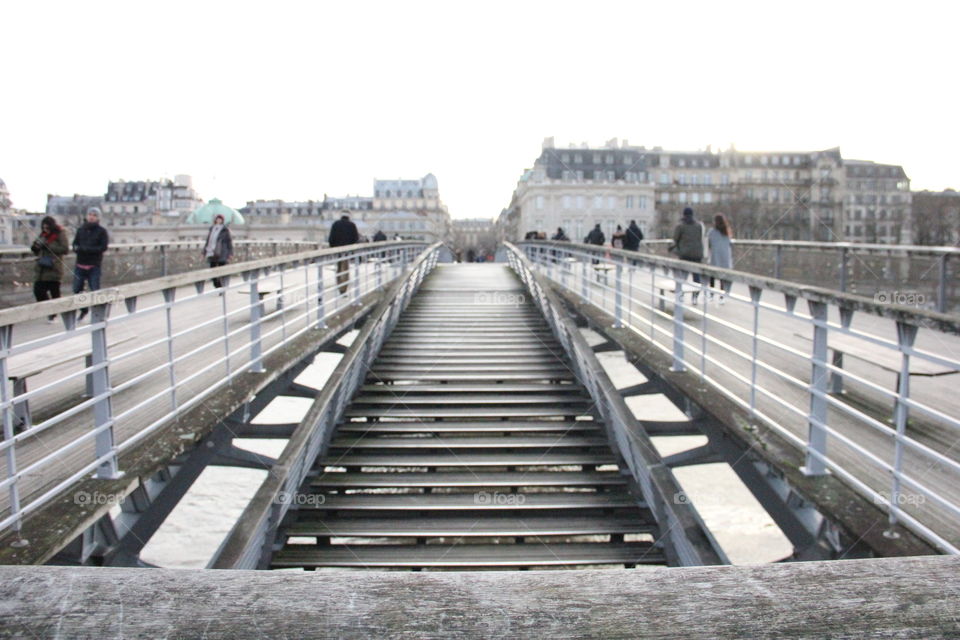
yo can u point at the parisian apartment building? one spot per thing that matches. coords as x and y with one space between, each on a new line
410 209
786 195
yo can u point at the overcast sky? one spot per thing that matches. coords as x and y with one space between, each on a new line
293 100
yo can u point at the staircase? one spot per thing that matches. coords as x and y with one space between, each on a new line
470 445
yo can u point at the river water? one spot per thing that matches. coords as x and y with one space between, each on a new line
198 525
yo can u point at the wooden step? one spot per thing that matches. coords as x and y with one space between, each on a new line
444 397
474 502
461 411
468 555
499 442
488 526
500 459
477 426
408 480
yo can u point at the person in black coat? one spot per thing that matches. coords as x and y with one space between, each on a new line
342 233
218 248
595 236
634 237
90 243
379 236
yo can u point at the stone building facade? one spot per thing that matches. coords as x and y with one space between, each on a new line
789 195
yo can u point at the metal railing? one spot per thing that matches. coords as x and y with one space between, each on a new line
679 523
772 359
249 546
182 343
923 275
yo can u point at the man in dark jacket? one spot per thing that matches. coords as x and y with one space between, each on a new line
342 233
379 236
633 238
595 236
89 244
688 242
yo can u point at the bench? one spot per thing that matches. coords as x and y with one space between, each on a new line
24 366
266 288
886 359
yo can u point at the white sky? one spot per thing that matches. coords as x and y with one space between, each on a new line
296 99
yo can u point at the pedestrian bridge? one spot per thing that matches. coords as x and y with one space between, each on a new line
470 424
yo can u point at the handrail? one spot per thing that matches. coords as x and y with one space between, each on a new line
191 341
682 531
248 544
775 361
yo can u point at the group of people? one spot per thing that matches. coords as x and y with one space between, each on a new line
693 243
90 243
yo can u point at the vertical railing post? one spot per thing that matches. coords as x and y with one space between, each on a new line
321 313
755 346
169 295
226 330
618 299
906 335
816 435
679 278
9 420
356 278
102 406
844 265
584 291
778 262
256 312
942 284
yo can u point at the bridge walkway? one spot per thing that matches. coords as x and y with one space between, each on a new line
470 445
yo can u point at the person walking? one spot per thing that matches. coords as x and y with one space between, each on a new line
688 240
618 238
343 232
633 237
89 244
721 250
595 236
218 248
560 236
49 247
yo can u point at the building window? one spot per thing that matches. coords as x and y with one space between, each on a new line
567 201
628 202
598 202
664 178
708 197
565 158
611 202
682 197
643 202
695 198
577 158
707 179
664 197
539 202
609 158
596 158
